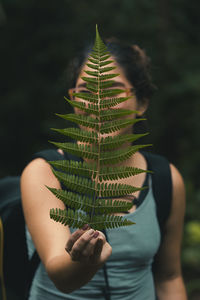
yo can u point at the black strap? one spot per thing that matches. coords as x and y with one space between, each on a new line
161 184
50 154
33 264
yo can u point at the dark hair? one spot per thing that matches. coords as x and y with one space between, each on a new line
133 60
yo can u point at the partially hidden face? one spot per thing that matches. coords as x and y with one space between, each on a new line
121 82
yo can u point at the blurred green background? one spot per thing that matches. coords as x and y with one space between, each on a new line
38 39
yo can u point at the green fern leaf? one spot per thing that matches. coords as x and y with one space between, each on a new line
101 222
108 115
90 109
90 80
81 120
81 150
92 73
76 167
104 206
105 57
79 135
107 69
88 183
108 103
116 190
117 156
86 96
113 126
75 200
107 76
68 217
94 61
95 67
116 141
92 88
114 173
108 206
77 184
106 84
104 63
110 93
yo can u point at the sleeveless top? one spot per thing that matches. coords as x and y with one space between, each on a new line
128 268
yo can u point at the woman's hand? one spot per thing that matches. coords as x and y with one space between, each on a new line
88 246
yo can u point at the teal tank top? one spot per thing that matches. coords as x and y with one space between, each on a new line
128 268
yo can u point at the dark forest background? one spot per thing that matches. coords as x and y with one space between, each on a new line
37 41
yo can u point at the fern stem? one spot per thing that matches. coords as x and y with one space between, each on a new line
97 181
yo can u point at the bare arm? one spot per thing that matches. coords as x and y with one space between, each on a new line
168 277
66 270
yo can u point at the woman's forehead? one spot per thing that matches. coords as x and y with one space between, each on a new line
120 80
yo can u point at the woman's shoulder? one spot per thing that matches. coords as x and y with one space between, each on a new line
38 172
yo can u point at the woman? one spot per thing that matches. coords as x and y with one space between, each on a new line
72 262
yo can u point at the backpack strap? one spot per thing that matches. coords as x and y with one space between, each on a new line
50 154
161 184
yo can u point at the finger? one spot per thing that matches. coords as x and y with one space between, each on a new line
74 237
97 251
83 247
88 250
82 241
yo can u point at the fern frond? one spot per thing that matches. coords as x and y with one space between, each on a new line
86 186
117 189
106 62
107 76
76 167
116 141
88 183
110 93
90 109
92 87
92 66
92 73
113 126
77 184
90 80
104 206
114 173
81 120
94 61
107 69
107 222
116 156
107 103
81 150
86 96
105 57
111 114
79 135
106 84
89 170
108 206
69 217
77 219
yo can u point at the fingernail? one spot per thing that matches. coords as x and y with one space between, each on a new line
91 231
96 234
85 227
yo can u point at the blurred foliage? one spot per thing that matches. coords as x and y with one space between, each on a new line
38 39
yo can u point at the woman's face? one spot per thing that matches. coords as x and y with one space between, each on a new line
121 82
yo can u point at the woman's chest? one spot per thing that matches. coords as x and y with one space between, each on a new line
137 243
